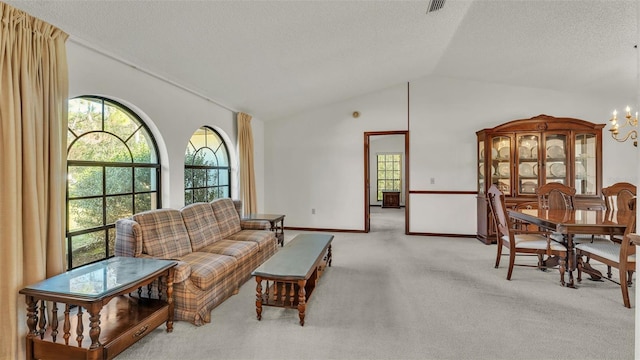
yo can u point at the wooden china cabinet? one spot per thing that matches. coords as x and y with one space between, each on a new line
522 154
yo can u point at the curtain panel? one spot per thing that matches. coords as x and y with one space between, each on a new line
33 129
247 173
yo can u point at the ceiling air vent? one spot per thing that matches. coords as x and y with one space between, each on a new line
435 5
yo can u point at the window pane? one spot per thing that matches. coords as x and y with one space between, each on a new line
188 178
223 177
99 147
212 177
87 248
145 202
209 157
85 115
188 197
199 176
118 122
223 157
141 148
112 242
118 180
145 179
119 207
84 181
200 195
223 192
85 214
381 166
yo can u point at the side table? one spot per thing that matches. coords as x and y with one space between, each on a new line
274 219
121 300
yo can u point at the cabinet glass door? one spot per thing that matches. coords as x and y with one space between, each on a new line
556 158
481 167
585 167
501 163
527 165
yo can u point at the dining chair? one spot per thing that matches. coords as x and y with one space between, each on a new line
618 255
520 241
617 196
556 196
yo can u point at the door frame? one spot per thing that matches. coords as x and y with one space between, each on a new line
367 180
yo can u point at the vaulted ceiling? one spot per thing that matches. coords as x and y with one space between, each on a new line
275 58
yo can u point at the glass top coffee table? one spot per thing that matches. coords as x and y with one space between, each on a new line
122 296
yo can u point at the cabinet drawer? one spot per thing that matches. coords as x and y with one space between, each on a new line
135 333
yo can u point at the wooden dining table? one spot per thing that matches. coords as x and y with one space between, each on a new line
573 222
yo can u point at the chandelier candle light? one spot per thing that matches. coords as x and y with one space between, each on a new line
629 121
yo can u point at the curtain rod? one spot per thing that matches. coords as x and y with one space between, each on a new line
148 72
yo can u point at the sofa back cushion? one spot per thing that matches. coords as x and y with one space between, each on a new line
163 233
201 224
227 216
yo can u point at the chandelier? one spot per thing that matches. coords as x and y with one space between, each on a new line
630 122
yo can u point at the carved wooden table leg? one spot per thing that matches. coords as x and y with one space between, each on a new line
32 321
170 299
302 298
259 297
94 325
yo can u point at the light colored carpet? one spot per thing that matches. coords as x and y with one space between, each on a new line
391 296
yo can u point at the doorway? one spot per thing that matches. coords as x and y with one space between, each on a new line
377 143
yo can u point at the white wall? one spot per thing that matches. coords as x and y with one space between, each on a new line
315 159
172 114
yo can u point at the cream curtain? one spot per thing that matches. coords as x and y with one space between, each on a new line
33 129
247 174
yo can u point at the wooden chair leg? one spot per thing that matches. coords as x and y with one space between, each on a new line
579 267
512 261
625 288
499 244
562 269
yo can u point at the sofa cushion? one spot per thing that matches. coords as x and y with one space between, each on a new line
201 224
163 233
237 249
208 269
264 238
227 216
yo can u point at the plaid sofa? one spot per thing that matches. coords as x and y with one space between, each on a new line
216 251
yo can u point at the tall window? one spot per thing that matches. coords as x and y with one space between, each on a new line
113 172
206 167
389 170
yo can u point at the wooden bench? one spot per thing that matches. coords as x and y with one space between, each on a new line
292 273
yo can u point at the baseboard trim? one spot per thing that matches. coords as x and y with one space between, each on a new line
322 229
362 231
442 235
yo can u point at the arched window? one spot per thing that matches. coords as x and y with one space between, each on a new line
113 172
206 167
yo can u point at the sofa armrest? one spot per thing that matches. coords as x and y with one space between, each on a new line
128 238
255 225
182 272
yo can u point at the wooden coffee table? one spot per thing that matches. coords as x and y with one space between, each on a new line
292 273
105 308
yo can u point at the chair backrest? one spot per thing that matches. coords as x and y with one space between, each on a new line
627 248
617 196
555 196
499 211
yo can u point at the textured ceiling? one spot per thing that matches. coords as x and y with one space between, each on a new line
275 58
